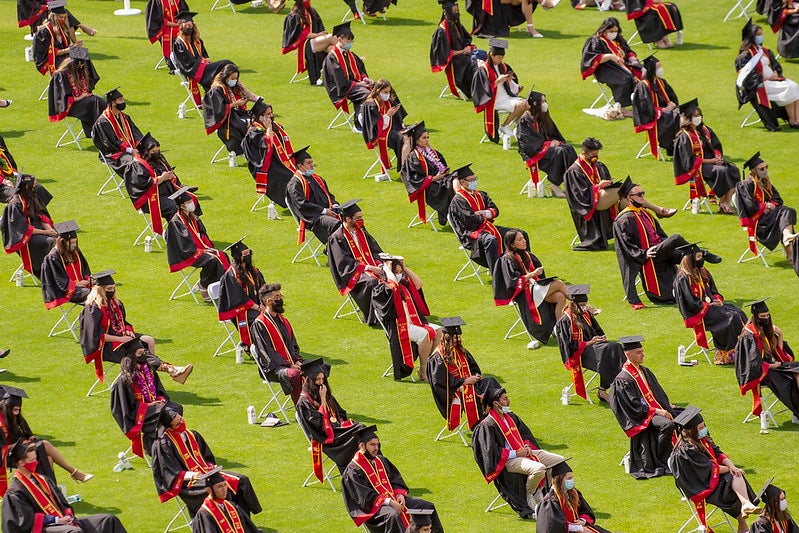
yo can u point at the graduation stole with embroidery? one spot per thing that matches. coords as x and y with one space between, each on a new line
168 33
616 50
279 142
751 223
225 525
359 247
49 66
193 461
489 113
354 75
643 218
509 431
42 495
6 168
466 393
201 241
299 44
697 322
378 478
241 311
121 128
3 454
532 163
764 347
151 198
74 273
316 446
448 69
195 48
574 362
306 190
382 133
278 342
408 303
522 285
649 398
592 174
476 203
699 499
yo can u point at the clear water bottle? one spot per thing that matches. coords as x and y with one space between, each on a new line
148 244
28 54
63 489
565 396
231 160
19 278
251 418
182 111
764 423
75 498
239 354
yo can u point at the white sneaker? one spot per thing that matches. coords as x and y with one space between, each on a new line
319 82
695 206
533 345
257 3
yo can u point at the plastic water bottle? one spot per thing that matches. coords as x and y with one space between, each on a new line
565 396
239 355
73 499
764 423
251 418
148 244
681 351
63 489
19 278
28 54
182 111
232 160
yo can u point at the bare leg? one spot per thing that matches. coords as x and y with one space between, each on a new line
518 110
88 30
791 110
55 457
425 348
150 342
557 294
739 486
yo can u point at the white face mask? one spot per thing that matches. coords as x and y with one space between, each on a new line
384 96
612 35
505 409
189 206
471 185
398 276
659 72
783 505
762 172
696 121
544 107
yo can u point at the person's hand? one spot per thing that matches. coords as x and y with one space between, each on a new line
775 365
603 184
538 271
65 520
777 331
471 380
663 413
736 472
651 252
555 143
323 391
82 283
393 110
373 269
523 452
77 44
296 366
239 102
440 176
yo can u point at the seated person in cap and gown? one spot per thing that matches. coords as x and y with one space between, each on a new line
8 172
761 83
508 454
455 378
267 148
764 358
14 427
65 274
541 144
353 258
33 502
583 344
187 243
138 399
106 334
775 517
495 88
114 133
238 291
451 50
398 302
181 456
162 25
151 181
420 521
191 58
324 420
519 278
374 492
304 31
656 108
495 17
218 514
381 122
70 91
225 108
699 160
655 20
26 226
472 214
763 213
311 200
31 13
344 74
706 474
644 413
53 39
373 8
425 173
275 344
783 17
703 308
564 508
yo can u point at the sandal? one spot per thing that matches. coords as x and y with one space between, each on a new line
666 212
533 33
80 477
5 103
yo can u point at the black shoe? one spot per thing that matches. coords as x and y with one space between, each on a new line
712 258
4 353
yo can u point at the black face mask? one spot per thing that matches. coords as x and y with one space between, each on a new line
187 31
142 359
700 262
154 156
122 106
277 306
764 323
110 294
247 259
636 203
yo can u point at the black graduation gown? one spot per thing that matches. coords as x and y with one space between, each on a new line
595 232
188 62
343 268
649 24
204 522
788 39
92 331
632 256
180 250
345 439
31 13
532 142
550 517
310 210
154 22
763 6
234 295
168 465
620 80
648 455
415 174
445 386
270 360
725 322
749 359
384 309
339 83
7 168
769 225
15 228
645 103
377 6
692 469
499 24
488 444
449 37
505 278
371 119
762 525
61 103
465 221
139 181
112 147
57 287
254 147
44 467
42 40
483 90
605 358
230 123
20 512
721 178
747 93
293 26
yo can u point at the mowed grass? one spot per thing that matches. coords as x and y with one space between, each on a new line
218 393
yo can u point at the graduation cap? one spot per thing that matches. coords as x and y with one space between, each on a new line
421 517
689 418
748 30
497 47
113 94
415 131
626 187
301 155
687 249
368 433
768 490
390 257
534 96
578 293
452 324
146 142
67 230
16 452
311 369
23 180
167 416
131 347
237 247
343 30
79 53
650 63
754 161
448 4
259 108
492 395
104 277
350 207
758 306
561 468
689 107
57 6
631 342
212 477
463 172
185 16
181 196
12 395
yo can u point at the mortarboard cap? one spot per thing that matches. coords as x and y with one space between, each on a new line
578 293
686 249
350 207
416 130
16 452
446 4
343 30
259 108
212 477
689 107
131 347
758 306
57 6
12 395
463 172
181 196
67 230
146 142
650 62
113 94
23 180
626 187
492 395
167 416
689 418
185 16
534 96
631 342
768 490
497 47
421 517
390 257
237 247
452 324
746 31
104 277
312 368
301 154
753 161
368 433
79 53
561 468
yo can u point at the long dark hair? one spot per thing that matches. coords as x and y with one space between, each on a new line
694 273
128 367
310 388
62 245
16 425
27 192
772 509
749 39
542 119
608 23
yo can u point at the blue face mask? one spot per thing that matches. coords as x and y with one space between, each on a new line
308 172
471 185
703 433
568 484
232 83
758 39
347 46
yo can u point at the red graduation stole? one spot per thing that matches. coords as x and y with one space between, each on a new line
592 174
754 385
697 322
419 195
761 94
274 334
43 497
362 254
194 462
122 130
34 16
378 478
509 430
49 66
694 175
616 50
532 163
241 311
225 524
6 168
648 272
279 143
476 202
230 96
448 69
649 398
105 326
299 44
306 190
652 128
699 499
203 245
574 362
382 134
466 394
195 49
151 198
751 223
3 454
21 246
488 107
408 303
74 272
488 7
316 446
168 33
349 65
570 513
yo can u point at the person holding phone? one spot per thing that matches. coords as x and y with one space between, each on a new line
381 120
425 173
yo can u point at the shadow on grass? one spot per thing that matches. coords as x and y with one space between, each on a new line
83 508
162 341
57 443
10 376
400 21
548 33
13 134
418 491
191 398
703 46
368 420
544 445
136 103
98 55
226 463
602 516
265 529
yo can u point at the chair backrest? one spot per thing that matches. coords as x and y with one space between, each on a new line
213 292
293 214
301 423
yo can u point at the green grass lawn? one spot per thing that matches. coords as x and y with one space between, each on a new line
218 393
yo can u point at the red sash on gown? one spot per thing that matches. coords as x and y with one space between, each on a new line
466 394
378 478
754 385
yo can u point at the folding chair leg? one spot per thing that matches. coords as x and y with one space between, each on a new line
181 516
69 132
341 119
761 255
492 507
281 406
353 309
416 221
161 63
296 79
70 324
748 121
740 8
217 6
186 282
25 274
458 432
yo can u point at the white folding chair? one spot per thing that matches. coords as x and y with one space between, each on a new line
459 432
632 40
25 274
93 390
311 479
511 333
645 151
739 7
161 63
500 117
230 329
477 270
124 459
311 245
602 103
416 221
224 155
184 82
531 190
186 285
446 93
704 351
703 202
353 309
769 400
71 324
69 133
219 5
493 506
390 370
382 174
749 121
762 252
588 388
148 231
113 182
282 406
181 519
343 118
695 523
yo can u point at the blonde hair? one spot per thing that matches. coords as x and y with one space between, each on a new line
97 296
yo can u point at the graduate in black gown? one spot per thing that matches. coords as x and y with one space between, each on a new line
783 17
217 514
541 144
31 13
311 200
583 344
225 108
451 50
115 134
353 258
764 358
369 481
53 40
763 213
564 507
495 88
267 148
23 510
656 108
66 276
644 413
655 21
190 56
304 31
8 172
519 278
238 291
324 421
703 308
344 73
70 91
26 226
608 57
775 518
706 474
381 122
456 380
162 25
495 18
425 173
180 456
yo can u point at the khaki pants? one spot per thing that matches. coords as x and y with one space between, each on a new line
534 470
